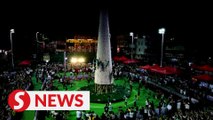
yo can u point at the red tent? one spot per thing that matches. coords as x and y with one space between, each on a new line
155 66
131 61
172 70
25 62
146 67
160 70
123 58
206 68
116 58
203 68
168 70
164 70
204 77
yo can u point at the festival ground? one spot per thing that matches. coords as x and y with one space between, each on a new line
98 108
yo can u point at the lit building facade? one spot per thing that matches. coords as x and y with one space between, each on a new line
82 44
140 47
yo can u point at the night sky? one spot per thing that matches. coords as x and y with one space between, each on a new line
187 22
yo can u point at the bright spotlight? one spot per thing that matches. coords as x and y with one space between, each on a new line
131 34
161 30
81 60
74 60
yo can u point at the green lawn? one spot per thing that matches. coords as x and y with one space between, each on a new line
98 107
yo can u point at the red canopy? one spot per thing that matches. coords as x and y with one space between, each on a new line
131 61
25 62
203 68
162 70
146 67
172 70
116 58
122 58
155 66
204 77
206 68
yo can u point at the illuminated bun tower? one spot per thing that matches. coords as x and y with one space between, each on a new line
103 71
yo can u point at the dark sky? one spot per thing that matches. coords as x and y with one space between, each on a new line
189 22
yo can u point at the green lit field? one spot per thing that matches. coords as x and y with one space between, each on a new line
98 107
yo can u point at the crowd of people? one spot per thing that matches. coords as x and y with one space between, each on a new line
169 107
12 80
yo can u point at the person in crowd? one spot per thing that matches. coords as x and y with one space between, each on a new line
78 115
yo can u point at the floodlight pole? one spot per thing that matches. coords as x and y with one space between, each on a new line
162 32
11 43
132 35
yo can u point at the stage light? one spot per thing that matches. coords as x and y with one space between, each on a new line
74 60
81 60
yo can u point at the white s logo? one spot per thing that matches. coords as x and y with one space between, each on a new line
19 100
